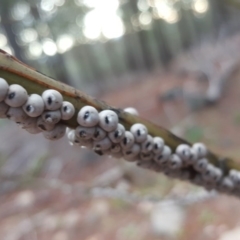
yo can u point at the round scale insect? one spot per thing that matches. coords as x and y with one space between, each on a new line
16 96
115 148
163 157
17 115
201 149
72 138
86 143
146 156
132 153
128 140
131 110
55 134
147 145
30 123
88 116
32 129
108 120
212 174
100 152
85 132
44 126
3 109
104 144
193 157
76 141
175 162
226 185
234 175
117 135
201 165
139 132
217 174
52 99
3 89
99 134
116 155
67 110
158 144
52 117
183 151
68 130
34 106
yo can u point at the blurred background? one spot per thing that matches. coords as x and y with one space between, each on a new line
177 62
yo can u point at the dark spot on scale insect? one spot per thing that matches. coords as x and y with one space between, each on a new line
116 134
138 132
155 146
160 157
49 100
11 95
42 127
148 145
47 116
97 133
82 133
99 152
28 108
114 147
65 108
86 115
107 120
125 141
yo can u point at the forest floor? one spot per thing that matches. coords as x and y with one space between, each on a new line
50 190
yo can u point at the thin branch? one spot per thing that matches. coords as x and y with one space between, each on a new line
16 72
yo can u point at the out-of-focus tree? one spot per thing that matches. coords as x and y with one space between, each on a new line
81 41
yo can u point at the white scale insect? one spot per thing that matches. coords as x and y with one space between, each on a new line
34 106
3 89
108 120
139 132
88 117
52 99
16 96
103 132
67 110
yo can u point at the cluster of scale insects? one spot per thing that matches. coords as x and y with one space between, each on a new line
102 132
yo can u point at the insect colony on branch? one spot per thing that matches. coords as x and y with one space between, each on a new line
102 132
